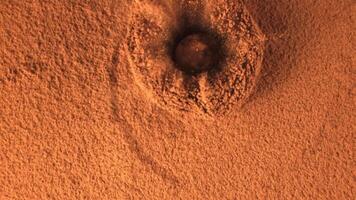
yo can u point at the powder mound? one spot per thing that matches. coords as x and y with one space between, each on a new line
153 33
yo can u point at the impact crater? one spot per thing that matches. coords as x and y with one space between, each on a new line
204 58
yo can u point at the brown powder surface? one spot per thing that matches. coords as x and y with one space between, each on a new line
79 121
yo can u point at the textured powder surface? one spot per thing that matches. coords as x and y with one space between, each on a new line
75 123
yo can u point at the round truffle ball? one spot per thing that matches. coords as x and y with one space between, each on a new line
194 54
